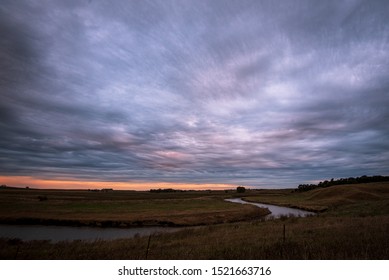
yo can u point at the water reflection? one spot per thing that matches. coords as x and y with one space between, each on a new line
63 233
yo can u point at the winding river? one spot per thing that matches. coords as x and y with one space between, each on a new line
276 211
67 233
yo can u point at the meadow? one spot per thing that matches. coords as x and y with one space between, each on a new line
352 223
120 208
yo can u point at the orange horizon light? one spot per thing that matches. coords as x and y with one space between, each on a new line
39 183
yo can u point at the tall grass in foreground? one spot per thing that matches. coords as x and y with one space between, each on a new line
305 238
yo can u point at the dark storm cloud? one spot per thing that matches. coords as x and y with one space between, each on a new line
244 92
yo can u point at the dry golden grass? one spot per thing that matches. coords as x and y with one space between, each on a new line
355 226
333 198
120 208
306 238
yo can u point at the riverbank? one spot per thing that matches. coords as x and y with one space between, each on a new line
56 234
305 238
185 220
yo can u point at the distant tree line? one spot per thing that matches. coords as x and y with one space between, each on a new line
165 190
342 181
101 190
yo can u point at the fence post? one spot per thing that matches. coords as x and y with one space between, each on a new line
148 246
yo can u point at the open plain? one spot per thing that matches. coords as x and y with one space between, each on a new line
352 222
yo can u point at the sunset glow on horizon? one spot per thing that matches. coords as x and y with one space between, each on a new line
192 94
30 182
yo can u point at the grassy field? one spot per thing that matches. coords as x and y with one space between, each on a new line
349 200
305 238
355 225
120 208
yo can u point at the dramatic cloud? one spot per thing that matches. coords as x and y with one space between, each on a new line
259 93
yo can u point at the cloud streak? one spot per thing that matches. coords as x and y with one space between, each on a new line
250 92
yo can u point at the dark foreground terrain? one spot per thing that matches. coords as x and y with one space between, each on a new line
353 224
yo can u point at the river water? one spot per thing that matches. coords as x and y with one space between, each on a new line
276 211
67 233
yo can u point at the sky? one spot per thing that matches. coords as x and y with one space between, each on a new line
192 94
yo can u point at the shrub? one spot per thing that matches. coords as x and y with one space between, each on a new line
240 189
